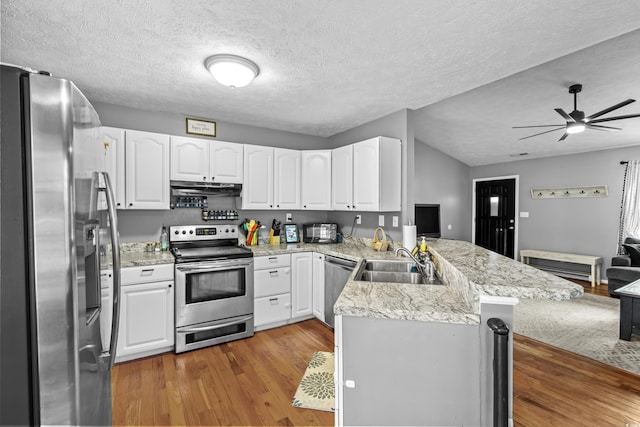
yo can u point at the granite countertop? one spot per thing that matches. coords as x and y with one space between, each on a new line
133 255
469 272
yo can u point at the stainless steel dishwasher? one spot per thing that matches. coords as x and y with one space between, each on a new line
336 274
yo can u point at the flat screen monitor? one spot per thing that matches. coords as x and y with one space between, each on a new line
428 220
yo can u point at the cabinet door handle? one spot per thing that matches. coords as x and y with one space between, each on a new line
273 273
204 178
147 272
273 259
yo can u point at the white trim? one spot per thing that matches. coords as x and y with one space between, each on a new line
517 208
494 299
338 375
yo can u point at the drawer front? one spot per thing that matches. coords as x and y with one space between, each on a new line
271 282
274 261
271 309
148 273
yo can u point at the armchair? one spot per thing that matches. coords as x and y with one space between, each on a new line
623 269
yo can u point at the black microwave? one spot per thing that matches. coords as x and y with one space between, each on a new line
320 233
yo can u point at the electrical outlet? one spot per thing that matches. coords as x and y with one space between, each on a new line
381 220
289 217
358 219
395 220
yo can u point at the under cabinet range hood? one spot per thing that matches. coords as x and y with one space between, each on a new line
187 188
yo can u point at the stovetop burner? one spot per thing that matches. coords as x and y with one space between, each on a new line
198 243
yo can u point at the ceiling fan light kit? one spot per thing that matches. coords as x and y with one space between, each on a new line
576 122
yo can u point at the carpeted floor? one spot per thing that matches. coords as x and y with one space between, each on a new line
587 326
316 389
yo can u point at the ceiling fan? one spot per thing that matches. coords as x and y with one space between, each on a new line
576 122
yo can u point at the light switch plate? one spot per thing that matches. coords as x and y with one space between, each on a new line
524 214
381 220
395 220
289 217
358 219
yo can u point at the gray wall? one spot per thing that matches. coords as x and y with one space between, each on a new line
145 225
444 180
174 124
395 125
585 226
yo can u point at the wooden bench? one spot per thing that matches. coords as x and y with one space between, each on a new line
593 261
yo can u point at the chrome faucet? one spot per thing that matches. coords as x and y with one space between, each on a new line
426 268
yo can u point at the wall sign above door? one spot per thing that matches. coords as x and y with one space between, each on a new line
201 127
570 192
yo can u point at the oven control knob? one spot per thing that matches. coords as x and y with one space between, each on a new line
190 231
184 231
176 232
226 231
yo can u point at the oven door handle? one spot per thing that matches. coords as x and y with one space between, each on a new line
212 327
220 266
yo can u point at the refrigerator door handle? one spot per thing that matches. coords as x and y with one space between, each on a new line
115 254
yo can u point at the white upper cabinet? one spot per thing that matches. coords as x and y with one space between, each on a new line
316 180
342 178
110 145
147 170
189 159
257 191
201 160
226 162
366 175
376 176
286 184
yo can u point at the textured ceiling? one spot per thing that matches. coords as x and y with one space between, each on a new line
326 66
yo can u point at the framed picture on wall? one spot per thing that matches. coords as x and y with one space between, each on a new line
291 233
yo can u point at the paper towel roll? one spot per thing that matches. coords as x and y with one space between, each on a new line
409 235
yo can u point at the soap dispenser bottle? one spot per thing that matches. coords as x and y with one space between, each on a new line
423 244
164 239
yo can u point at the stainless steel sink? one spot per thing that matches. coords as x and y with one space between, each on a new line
393 266
393 272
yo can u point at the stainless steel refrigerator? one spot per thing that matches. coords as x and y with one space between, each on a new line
53 369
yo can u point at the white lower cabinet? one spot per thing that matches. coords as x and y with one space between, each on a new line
318 285
106 312
147 304
272 309
301 285
272 291
288 288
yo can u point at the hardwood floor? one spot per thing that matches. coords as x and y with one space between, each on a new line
245 382
252 382
554 387
601 289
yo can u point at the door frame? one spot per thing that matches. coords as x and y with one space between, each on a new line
517 208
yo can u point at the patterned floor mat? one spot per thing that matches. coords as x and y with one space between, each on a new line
316 389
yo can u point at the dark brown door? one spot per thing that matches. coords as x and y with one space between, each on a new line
495 215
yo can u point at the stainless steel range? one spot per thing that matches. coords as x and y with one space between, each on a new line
214 285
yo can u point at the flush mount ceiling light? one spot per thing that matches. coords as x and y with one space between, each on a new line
231 70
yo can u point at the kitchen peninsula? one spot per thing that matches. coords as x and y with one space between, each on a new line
422 354
417 354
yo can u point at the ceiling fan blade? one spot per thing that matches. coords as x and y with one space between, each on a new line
608 119
537 126
563 136
600 127
610 109
565 115
541 133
